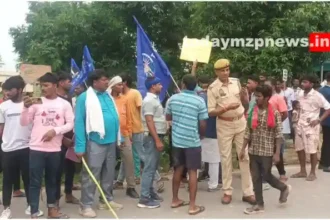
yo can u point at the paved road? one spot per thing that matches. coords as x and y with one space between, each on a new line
307 200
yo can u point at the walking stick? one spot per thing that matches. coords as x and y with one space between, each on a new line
99 187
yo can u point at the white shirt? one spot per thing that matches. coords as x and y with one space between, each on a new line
286 123
290 97
15 136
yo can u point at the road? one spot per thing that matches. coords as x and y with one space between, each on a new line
307 200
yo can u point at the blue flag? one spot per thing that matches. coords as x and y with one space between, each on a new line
74 69
86 67
149 63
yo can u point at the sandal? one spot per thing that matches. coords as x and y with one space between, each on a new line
59 216
76 188
311 177
299 175
199 209
20 195
181 204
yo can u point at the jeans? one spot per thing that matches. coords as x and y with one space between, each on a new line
280 164
137 146
101 160
151 162
261 168
15 162
40 162
68 167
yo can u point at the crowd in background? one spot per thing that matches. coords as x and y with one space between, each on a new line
46 138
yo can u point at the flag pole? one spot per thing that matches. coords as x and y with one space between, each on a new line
175 83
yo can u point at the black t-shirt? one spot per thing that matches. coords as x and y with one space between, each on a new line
69 99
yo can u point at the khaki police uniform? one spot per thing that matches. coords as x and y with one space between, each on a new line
230 129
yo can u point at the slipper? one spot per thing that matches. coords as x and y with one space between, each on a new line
311 178
76 188
299 175
20 195
200 209
60 216
181 204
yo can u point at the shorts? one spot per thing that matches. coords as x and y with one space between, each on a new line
309 143
190 158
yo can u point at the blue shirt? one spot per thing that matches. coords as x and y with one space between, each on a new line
187 109
325 91
211 127
110 118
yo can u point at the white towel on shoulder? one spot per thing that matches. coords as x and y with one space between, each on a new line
94 115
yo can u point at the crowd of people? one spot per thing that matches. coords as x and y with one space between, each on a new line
46 137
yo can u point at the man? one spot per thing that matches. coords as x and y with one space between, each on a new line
67 166
77 91
134 104
210 148
15 145
308 128
263 132
155 128
51 117
252 84
325 151
290 97
188 114
225 97
17 182
127 164
296 87
97 136
278 102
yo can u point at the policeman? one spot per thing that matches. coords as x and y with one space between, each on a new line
225 98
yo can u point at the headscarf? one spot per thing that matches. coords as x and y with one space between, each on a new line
114 81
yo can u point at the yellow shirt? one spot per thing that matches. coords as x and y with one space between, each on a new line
134 104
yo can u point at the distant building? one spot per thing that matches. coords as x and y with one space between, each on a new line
4 75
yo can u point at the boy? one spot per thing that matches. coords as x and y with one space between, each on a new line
51 117
263 129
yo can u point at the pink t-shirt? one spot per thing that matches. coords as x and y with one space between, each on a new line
54 114
278 102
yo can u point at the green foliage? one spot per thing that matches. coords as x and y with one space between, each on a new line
57 31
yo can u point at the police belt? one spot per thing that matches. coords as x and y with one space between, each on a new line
231 118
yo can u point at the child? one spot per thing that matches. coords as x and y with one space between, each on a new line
295 115
263 131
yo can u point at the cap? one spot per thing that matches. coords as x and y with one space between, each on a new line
221 63
151 81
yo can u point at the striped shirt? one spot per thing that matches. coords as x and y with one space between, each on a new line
187 109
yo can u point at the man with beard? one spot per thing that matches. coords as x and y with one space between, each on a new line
15 144
67 166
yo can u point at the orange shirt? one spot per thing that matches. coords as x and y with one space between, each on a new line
134 105
278 102
124 115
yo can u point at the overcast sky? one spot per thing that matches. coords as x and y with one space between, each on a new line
12 14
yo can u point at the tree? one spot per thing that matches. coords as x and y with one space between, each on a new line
57 31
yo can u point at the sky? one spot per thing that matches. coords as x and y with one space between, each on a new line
12 14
